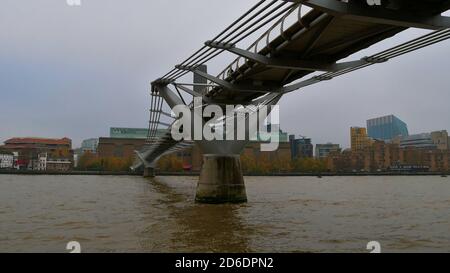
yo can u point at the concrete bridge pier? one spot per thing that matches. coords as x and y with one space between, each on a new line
221 177
221 180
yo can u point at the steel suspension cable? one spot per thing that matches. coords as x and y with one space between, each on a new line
182 73
233 39
222 33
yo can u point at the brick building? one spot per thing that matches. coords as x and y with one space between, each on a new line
119 147
381 156
29 150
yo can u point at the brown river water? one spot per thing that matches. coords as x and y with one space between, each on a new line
284 214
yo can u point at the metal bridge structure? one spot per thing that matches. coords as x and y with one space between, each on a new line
295 44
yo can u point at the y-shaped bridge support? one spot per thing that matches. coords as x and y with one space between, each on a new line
221 178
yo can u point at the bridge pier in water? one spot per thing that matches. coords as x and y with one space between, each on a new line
221 180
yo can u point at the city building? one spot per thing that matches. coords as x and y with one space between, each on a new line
119 147
434 140
58 165
386 128
254 160
28 150
138 133
135 133
6 159
38 143
301 148
252 157
275 136
123 142
423 141
46 163
89 145
359 139
380 156
440 139
41 162
387 156
323 150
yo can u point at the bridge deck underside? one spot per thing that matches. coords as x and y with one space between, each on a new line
318 37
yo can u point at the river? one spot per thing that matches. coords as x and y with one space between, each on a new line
284 214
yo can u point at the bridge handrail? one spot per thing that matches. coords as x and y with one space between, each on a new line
254 46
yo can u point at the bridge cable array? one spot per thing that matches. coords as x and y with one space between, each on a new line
253 20
384 56
258 16
155 115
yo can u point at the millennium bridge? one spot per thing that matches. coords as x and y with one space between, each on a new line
293 44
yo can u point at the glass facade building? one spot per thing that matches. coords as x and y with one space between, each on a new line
301 148
89 145
323 150
386 128
419 141
434 140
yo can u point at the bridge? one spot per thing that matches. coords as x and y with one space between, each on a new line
293 44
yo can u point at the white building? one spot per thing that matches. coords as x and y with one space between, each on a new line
42 162
6 160
45 163
16 159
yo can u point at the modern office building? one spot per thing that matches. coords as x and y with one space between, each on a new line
89 145
418 141
434 140
270 136
386 128
323 150
301 148
359 139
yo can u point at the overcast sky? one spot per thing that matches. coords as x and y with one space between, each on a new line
76 71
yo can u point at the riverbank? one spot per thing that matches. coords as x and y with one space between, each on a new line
15 172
